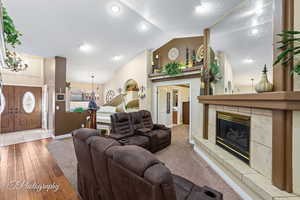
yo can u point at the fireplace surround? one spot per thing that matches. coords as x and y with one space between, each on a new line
233 134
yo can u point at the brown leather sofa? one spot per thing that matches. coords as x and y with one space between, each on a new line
137 128
109 171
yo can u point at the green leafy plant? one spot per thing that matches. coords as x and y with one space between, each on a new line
214 71
11 34
290 46
173 68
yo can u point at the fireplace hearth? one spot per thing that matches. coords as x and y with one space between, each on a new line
233 134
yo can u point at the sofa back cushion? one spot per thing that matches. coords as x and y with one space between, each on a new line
99 146
146 119
121 124
82 139
136 120
136 174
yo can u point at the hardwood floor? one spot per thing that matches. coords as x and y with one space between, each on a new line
32 163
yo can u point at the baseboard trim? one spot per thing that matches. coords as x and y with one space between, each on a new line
224 176
62 136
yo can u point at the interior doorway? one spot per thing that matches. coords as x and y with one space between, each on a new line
173 105
21 108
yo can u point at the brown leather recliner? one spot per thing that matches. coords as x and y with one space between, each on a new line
122 130
160 134
132 128
128 173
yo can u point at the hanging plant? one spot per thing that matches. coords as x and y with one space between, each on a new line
290 46
14 62
11 34
12 37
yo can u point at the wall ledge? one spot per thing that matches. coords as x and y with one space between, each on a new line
269 100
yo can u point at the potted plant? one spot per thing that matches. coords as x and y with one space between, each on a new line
290 46
211 75
173 68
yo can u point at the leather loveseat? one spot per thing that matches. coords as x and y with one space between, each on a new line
109 171
137 128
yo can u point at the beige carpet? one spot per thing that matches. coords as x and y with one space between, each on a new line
179 158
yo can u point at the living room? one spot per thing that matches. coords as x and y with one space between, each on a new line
124 100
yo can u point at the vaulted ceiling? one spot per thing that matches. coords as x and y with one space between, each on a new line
107 39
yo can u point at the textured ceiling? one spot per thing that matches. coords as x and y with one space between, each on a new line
235 38
58 28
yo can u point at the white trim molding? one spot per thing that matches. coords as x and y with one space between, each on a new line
224 176
62 136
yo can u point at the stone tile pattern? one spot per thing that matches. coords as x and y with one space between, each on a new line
23 136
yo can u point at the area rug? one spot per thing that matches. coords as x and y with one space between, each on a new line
179 157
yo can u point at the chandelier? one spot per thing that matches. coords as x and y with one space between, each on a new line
14 62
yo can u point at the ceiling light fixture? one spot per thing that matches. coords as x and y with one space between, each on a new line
248 61
254 22
85 47
143 27
259 8
115 9
202 7
117 58
199 8
254 31
259 11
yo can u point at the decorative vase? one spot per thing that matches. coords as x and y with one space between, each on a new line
202 89
264 85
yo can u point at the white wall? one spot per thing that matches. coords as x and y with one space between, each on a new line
296 118
226 70
49 80
138 69
32 76
196 109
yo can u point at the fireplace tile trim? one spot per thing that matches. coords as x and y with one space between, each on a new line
252 180
264 168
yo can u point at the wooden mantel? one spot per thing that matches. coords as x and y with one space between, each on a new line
283 100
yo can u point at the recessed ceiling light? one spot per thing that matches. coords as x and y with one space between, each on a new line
85 47
259 11
117 58
115 9
254 22
202 8
254 31
248 61
143 27
199 8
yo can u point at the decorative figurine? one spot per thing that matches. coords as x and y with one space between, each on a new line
187 57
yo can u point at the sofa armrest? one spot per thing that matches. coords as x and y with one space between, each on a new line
160 126
117 136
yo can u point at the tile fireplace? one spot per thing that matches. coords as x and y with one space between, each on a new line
233 134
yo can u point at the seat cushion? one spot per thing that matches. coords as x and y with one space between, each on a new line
138 140
162 135
183 187
204 193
